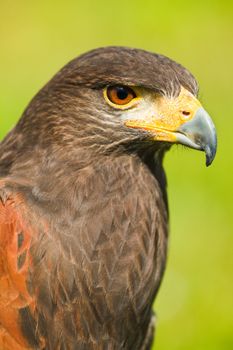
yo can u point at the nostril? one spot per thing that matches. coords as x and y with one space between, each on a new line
186 113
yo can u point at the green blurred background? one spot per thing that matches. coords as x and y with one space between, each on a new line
195 302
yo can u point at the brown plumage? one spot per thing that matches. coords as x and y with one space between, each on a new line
83 209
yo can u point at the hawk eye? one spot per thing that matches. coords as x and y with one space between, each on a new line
120 95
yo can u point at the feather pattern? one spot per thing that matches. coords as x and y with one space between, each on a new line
83 211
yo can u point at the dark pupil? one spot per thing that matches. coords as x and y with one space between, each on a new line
122 93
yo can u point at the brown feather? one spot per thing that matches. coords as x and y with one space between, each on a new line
83 213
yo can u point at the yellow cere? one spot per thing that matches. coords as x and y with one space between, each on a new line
169 114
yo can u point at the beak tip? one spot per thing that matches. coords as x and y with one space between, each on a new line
208 161
210 154
211 148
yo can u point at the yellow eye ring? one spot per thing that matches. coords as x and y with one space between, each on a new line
120 96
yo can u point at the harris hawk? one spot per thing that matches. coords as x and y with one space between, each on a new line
83 204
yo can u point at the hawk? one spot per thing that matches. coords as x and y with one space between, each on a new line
83 203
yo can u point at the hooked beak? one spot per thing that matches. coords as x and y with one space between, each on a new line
180 120
199 133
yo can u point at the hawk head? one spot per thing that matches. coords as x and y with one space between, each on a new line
116 97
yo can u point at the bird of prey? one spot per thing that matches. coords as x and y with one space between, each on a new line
83 204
